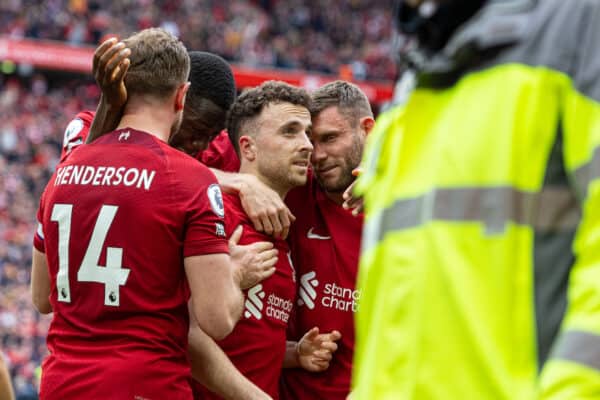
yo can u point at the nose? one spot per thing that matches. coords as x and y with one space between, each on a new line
306 144
318 154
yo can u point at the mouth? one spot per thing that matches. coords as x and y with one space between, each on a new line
301 163
326 169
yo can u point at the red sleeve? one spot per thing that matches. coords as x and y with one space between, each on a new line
205 222
76 132
38 236
220 154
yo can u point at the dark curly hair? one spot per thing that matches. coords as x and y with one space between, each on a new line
251 102
211 93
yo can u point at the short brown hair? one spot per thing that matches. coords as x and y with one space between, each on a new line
159 62
251 102
350 100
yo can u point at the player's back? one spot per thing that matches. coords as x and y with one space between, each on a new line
114 220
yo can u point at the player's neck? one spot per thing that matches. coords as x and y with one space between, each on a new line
336 197
151 120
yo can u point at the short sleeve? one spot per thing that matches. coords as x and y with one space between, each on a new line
76 132
38 236
205 218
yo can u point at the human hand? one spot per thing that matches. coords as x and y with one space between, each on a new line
351 201
264 207
254 262
111 62
316 350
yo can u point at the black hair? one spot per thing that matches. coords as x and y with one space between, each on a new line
211 78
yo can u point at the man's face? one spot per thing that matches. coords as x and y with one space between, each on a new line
337 150
282 144
190 140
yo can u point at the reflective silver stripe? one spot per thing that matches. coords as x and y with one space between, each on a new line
579 347
554 209
585 174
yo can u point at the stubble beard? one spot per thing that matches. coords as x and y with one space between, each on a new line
283 178
345 178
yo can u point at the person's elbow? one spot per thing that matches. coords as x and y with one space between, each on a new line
217 326
219 321
41 303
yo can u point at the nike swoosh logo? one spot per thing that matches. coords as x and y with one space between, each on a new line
312 235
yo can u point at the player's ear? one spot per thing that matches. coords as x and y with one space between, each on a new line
366 124
180 96
247 147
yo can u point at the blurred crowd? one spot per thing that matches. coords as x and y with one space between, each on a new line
352 37
33 116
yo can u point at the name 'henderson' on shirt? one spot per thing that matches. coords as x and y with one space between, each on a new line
104 176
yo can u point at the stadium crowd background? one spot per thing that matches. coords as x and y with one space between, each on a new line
318 35
36 106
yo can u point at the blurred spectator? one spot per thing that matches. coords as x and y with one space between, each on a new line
319 35
33 117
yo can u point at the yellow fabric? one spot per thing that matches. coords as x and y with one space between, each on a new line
563 379
447 308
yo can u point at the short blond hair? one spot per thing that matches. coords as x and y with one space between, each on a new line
159 63
346 96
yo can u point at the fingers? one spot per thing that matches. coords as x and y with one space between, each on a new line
266 209
285 222
257 222
276 224
308 340
266 223
236 235
323 355
122 69
101 70
321 366
113 66
269 258
356 206
259 247
351 202
276 220
348 192
267 273
100 52
327 347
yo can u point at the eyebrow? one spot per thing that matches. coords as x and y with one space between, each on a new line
331 131
294 123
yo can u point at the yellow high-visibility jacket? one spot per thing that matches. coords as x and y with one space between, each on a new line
480 267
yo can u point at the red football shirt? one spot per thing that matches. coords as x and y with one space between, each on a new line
76 132
325 244
116 220
220 154
257 344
